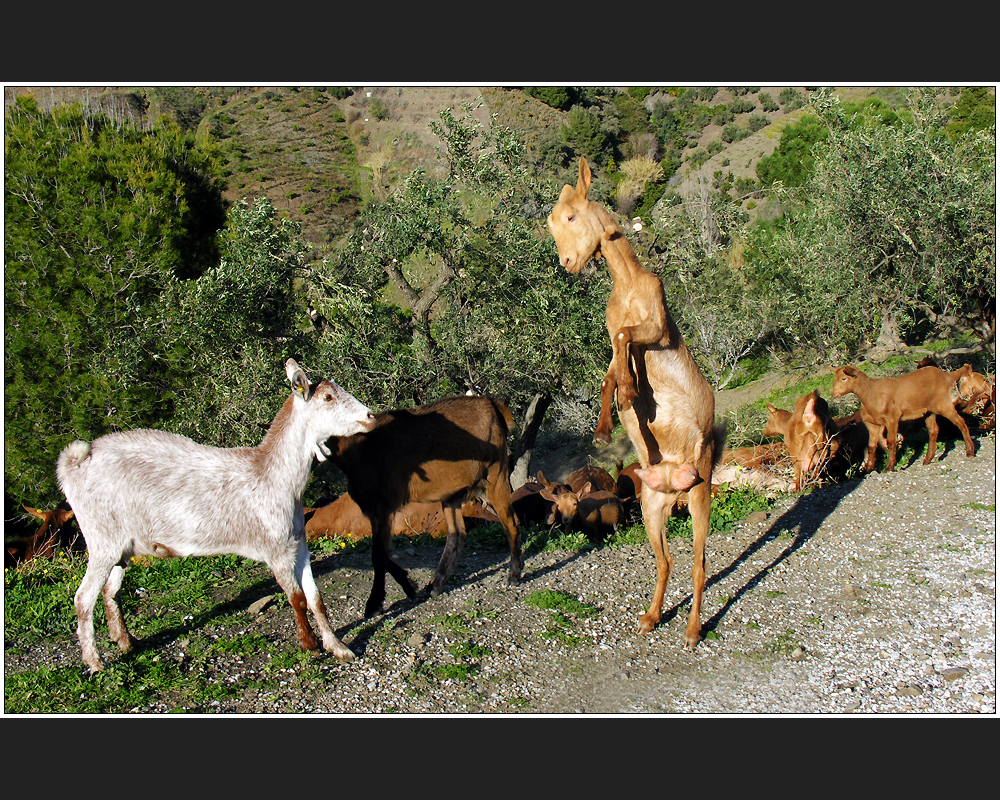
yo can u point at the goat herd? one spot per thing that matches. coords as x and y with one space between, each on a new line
146 492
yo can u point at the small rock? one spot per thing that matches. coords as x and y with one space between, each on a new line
757 516
954 673
908 691
259 606
799 653
418 639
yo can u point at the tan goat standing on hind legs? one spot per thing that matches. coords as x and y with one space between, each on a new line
664 402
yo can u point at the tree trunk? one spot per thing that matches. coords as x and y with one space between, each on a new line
521 455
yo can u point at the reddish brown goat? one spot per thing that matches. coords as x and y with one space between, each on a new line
530 507
810 437
976 396
885 402
598 478
599 514
448 451
51 534
664 402
595 512
343 517
562 499
777 421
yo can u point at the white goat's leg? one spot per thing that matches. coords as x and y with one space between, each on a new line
314 599
116 622
98 570
286 574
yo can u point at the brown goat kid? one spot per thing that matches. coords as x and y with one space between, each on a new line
885 402
664 402
810 437
594 511
448 451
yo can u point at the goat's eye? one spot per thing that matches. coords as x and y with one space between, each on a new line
571 217
327 397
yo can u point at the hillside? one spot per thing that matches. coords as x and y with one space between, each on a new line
316 154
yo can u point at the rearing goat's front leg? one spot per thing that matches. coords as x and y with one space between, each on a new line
624 383
605 422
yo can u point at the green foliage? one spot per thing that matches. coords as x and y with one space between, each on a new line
464 266
560 97
99 216
184 104
792 161
899 227
233 329
791 99
584 131
767 103
565 610
38 598
974 111
734 133
741 105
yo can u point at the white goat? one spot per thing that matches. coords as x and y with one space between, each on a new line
147 492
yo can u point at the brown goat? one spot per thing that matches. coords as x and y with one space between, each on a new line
563 500
529 506
810 437
51 534
599 513
885 402
664 402
598 478
343 517
595 512
777 421
975 396
448 451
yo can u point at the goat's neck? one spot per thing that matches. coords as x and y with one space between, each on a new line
618 254
284 456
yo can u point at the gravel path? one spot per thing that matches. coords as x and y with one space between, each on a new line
876 595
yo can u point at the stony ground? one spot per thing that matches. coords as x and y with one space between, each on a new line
877 595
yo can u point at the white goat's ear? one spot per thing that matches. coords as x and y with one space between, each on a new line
298 379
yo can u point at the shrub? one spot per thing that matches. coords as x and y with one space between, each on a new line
556 96
757 121
742 105
767 102
791 98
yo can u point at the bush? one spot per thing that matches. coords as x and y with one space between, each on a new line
559 97
733 133
742 105
767 102
757 121
791 98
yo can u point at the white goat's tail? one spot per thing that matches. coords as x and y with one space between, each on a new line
70 459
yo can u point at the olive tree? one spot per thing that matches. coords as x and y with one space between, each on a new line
452 284
907 219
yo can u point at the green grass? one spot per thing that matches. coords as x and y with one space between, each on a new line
566 609
171 598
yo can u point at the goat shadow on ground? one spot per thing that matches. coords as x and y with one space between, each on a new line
364 628
915 435
802 521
